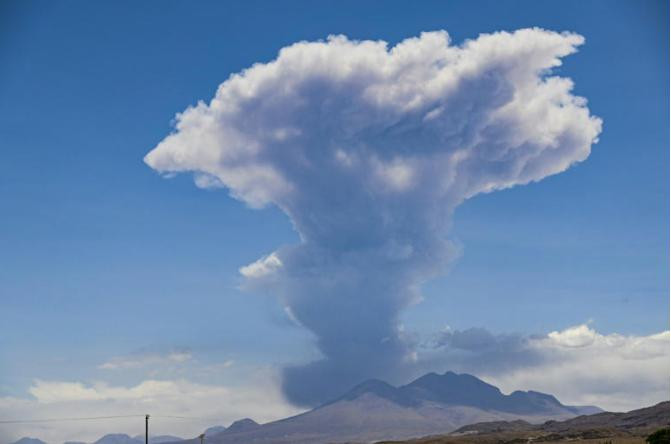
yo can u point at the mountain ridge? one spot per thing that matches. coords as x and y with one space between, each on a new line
376 410
461 389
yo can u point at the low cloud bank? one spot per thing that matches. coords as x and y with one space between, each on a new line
579 365
259 398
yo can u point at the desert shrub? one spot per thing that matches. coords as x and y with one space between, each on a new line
661 436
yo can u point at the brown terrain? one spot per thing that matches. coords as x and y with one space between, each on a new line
611 428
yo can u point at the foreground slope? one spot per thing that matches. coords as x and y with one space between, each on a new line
631 426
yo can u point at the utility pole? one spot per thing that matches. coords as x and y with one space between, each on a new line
202 437
146 429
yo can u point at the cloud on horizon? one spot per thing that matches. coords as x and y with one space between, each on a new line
259 397
579 365
368 150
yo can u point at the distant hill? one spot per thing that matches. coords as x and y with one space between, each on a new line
27 440
214 430
375 410
114 438
159 439
242 425
118 438
164 439
601 426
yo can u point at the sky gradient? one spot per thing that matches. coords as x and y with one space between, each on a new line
112 276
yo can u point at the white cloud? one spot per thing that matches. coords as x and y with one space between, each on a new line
259 399
613 371
262 267
369 149
443 106
56 391
578 336
578 365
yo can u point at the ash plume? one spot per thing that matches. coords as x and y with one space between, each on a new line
369 149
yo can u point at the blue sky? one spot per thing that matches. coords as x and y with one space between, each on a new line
101 257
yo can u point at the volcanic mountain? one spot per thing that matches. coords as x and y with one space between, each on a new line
432 404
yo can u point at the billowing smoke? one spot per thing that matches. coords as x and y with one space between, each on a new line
368 150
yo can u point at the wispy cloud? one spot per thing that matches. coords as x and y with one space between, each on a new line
145 358
262 267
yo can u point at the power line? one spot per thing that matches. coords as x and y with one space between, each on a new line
184 417
177 417
89 418
95 418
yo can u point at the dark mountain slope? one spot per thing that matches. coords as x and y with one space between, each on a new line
604 426
646 418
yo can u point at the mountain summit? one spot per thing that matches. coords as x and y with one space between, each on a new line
467 390
27 440
464 390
